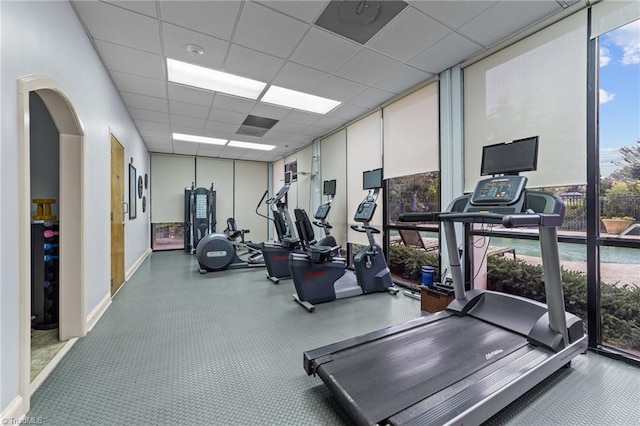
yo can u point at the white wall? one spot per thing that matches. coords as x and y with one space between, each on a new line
46 38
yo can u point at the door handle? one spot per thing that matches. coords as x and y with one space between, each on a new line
127 207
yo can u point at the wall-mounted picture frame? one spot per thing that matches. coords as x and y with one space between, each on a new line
133 180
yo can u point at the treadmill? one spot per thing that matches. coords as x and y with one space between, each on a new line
486 349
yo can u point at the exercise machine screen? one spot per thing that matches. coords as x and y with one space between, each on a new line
499 190
329 187
372 179
510 157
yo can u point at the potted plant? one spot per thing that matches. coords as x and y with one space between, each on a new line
617 224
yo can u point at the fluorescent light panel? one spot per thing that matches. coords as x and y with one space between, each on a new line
218 81
298 100
199 139
250 145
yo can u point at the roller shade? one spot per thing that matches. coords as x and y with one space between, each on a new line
609 15
170 175
250 184
333 152
364 152
411 141
536 86
220 173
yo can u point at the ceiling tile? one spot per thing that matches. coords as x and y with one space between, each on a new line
161 149
232 103
180 120
289 127
270 111
144 114
339 89
125 59
512 16
208 150
302 117
185 148
145 7
371 98
137 84
120 26
189 110
226 116
401 79
178 92
268 31
252 64
367 66
156 135
330 122
299 77
218 126
448 52
145 102
176 39
453 14
276 134
304 10
215 18
348 112
323 50
407 35
150 125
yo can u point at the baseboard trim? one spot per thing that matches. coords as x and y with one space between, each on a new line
98 311
13 412
39 379
137 264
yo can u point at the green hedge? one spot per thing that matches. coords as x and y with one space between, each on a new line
408 262
620 304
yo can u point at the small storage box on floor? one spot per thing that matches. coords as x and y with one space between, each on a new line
432 300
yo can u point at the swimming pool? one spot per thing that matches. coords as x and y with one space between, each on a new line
570 252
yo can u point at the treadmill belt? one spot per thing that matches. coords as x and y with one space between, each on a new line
380 378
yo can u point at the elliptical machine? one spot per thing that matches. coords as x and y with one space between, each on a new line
199 215
320 276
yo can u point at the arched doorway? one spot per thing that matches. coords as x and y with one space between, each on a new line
72 309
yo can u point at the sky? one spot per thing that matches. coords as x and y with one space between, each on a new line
619 93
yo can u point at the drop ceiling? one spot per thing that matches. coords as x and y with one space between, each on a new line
277 42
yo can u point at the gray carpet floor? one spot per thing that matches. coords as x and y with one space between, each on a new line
177 347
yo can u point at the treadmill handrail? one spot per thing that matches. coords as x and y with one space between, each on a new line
512 220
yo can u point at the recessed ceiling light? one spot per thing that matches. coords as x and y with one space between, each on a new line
218 81
250 145
199 139
298 100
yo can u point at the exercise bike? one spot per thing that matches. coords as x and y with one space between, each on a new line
216 252
319 275
276 255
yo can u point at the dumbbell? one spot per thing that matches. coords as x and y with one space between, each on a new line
48 233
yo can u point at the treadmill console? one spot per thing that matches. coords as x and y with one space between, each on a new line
503 190
365 211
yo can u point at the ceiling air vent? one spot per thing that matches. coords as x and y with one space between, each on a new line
256 126
358 20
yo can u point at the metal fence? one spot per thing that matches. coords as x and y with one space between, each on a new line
615 205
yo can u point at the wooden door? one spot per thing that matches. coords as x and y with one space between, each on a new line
117 215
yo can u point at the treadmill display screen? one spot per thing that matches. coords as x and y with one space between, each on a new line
501 190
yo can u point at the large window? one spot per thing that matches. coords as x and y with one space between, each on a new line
619 142
412 245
